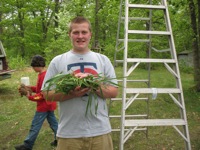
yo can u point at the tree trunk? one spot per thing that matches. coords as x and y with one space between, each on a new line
1 27
44 25
198 55
56 17
1 14
47 17
95 45
195 44
21 27
198 9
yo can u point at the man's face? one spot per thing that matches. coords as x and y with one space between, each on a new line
80 36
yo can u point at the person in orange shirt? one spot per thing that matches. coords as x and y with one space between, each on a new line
45 109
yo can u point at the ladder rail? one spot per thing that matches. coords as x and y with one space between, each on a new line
122 136
179 84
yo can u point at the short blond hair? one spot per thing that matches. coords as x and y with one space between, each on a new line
79 20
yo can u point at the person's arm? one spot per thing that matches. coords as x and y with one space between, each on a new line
33 88
35 97
107 91
52 96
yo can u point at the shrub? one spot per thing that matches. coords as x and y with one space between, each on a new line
17 62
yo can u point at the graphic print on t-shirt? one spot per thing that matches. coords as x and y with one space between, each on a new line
85 67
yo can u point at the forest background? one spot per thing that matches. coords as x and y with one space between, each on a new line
30 27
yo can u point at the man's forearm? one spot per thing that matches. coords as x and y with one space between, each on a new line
77 92
52 96
107 91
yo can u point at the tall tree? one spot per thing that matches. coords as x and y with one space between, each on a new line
96 45
1 15
196 33
56 17
1 28
20 12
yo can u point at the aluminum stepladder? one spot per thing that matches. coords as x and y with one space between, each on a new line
130 94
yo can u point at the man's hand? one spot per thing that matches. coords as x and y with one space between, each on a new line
81 75
79 92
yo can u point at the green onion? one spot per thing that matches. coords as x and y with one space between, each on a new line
64 83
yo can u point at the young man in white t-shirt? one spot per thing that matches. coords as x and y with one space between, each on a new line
77 131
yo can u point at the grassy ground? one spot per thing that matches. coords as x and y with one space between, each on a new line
17 112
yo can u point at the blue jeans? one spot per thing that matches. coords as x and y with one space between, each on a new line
37 124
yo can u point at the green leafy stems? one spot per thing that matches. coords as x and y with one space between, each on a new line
64 83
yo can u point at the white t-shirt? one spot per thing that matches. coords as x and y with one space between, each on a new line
73 123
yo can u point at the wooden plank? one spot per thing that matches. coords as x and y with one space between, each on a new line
6 71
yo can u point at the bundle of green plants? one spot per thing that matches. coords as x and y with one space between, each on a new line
64 83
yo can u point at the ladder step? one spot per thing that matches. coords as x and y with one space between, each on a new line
134 80
149 32
146 6
126 116
149 90
154 122
148 60
136 18
119 99
138 129
135 40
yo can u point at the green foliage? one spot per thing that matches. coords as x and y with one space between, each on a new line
62 43
56 47
180 19
108 16
25 26
185 68
17 62
35 32
109 50
65 83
